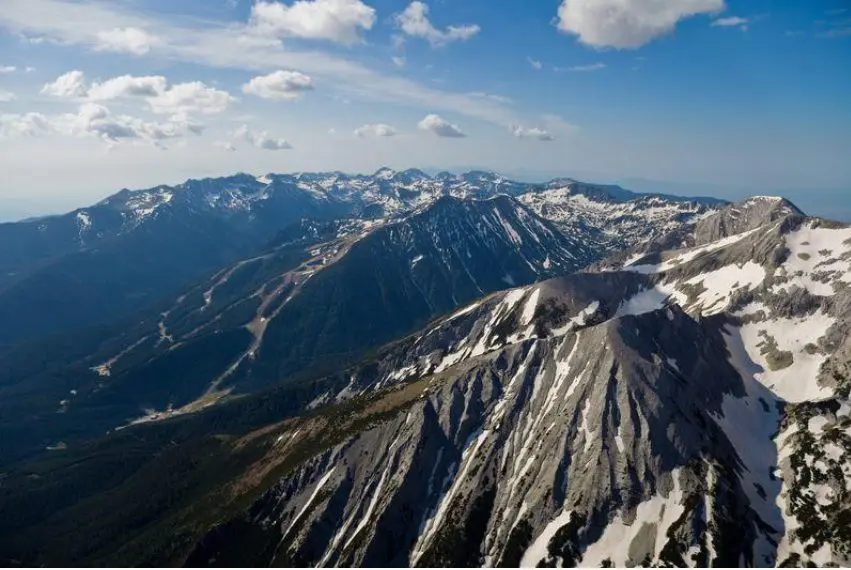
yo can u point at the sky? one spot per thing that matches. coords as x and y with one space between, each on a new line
725 97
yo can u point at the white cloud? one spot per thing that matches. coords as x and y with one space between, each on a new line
6 96
536 64
125 40
128 86
732 21
29 124
280 85
94 120
590 67
491 97
261 139
340 21
77 24
376 129
627 24
531 133
67 86
29 69
178 99
440 127
192 97
414 22
7 69
399 61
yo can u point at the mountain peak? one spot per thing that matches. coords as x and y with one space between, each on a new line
384 173
776 203
743 216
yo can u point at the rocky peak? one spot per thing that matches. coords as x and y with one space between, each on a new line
743 216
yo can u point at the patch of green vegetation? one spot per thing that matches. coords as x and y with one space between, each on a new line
804 256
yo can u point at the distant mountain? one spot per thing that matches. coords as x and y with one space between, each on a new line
96 264
678 407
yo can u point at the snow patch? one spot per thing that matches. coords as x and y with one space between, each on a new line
530 306
618 536
538 550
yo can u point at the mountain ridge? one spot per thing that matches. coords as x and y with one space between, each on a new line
134 247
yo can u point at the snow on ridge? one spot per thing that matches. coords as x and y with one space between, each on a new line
649 300
689 255
813 251
84 220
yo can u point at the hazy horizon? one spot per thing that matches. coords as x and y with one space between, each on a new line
832 203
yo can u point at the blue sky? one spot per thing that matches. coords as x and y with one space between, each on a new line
725 96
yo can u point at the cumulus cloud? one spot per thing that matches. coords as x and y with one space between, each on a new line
440 127
376 130
280 85
414 22
261 139
192 97
531 133
6 96
125 40
627 24
29 124
7 69
164 99
536 64
217 44
95 120
68 85
340 21
128 86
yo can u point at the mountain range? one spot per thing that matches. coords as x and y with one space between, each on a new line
458 370
96 264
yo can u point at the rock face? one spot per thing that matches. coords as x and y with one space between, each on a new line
690 411
743 216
